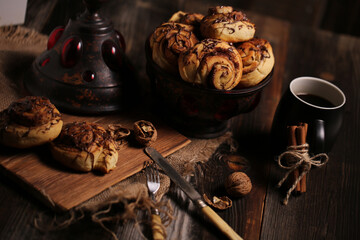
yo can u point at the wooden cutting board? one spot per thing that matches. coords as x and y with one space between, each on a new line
63 188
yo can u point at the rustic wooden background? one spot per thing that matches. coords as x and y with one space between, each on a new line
338 16
330 208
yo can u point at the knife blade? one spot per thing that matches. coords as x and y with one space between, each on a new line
191 193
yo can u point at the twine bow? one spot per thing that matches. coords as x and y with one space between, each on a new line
295 157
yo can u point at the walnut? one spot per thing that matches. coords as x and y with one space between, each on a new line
119 134
145 132
218 202
238 184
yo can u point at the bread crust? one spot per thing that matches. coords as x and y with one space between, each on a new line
24 137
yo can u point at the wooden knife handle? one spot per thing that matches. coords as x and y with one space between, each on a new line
158 233
220 223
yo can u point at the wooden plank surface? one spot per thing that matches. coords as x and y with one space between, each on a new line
64 189
329 209
252 131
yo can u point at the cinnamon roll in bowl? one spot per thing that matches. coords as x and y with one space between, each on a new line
168 41
193 19
212 63
223 22
258 61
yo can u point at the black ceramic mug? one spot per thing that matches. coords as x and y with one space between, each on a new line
316 102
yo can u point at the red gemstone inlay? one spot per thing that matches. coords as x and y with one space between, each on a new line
44 62
54 37
111 55
71 52
88 76
120 37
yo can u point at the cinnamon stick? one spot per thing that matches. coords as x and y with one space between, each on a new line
292 142
301 133
292 137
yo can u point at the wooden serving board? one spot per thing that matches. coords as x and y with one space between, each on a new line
63 188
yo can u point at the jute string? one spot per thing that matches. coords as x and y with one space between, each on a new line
296 157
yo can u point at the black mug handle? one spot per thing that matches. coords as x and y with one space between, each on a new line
318 136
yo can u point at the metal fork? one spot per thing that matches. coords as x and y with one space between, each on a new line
153 184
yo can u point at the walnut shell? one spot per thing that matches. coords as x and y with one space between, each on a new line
145 132
238 184
236 163
119 134
218 202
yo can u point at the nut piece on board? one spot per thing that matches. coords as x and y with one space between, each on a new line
119 134
238 184
218 202
145 132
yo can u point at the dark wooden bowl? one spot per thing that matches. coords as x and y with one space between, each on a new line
197 111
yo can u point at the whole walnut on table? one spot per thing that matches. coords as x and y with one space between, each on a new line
238 184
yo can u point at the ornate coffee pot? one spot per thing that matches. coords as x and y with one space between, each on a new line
84 69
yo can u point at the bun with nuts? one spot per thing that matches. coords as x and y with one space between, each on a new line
258 61
85 146
28 122
211 63
223 22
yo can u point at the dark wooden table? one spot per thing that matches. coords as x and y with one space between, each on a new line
330 209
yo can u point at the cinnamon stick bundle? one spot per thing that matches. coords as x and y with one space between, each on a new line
297 136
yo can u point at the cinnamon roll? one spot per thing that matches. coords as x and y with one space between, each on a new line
211 63
258 61
85 146
168 41
29 122
193 19
222 22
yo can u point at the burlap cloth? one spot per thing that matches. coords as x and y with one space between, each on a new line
18 48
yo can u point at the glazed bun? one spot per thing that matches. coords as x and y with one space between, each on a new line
168 41
223 22
258 61
85 146
211 63
29 122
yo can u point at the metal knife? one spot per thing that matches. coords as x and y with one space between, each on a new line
191 193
